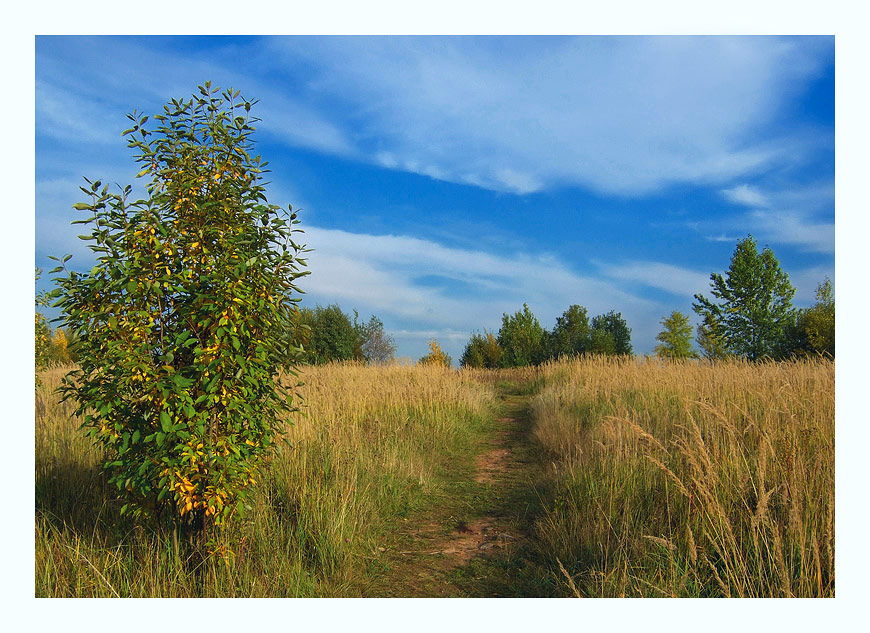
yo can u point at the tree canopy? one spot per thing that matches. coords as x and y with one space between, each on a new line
675 340
754 303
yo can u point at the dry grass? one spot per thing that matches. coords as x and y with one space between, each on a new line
371 445
690 479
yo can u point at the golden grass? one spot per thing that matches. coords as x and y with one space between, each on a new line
668 479
369 445
690 479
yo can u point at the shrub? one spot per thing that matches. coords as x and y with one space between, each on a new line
179 323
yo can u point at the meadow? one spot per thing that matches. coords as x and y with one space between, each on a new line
659 479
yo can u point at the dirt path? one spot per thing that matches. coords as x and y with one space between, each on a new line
477 542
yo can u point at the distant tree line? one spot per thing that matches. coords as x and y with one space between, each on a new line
328 334
750 316
522 341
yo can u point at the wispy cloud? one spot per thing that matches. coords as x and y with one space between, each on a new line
796 229
800 216
678 281
746 195
611 114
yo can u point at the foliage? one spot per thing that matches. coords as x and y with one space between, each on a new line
819 320
375 346
180 321
436 356
571 334
754 305
521 338
42 344
482 351
330 335
614 325
676 338
711 339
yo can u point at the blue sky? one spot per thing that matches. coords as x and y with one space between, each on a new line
443 181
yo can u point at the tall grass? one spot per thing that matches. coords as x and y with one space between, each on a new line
689 479
370 445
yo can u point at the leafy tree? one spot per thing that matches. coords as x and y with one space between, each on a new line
482 351
601 342
812 330
710 338
521 338
613 324
754 304
436 356
331 335
819 320
676 338
571 334
375 345
180 322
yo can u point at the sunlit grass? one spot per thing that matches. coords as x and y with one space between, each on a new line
690 479
369 445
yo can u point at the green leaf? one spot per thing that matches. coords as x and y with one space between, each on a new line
165 421
82 206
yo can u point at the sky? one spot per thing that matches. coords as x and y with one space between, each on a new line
445 181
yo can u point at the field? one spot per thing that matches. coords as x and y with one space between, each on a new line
591 477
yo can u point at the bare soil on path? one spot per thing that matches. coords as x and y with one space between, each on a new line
475 541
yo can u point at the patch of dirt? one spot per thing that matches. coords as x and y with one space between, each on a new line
474 538
491 464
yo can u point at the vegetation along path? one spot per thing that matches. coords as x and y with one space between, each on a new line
475 540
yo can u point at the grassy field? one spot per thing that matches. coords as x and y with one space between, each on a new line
690 479
650 479
372 446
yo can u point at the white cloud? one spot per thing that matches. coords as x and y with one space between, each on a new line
70 117
625 115
793 228
745 195
723 238
800 216
673 279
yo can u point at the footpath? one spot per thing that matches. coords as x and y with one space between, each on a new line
476 541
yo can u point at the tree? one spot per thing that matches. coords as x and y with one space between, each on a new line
482 351
710 338
331 335
820 320
521 338
613 324
601 342
811 331
180 322
571 334
375 345
676 338
754 304
436 356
